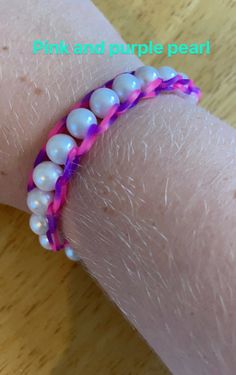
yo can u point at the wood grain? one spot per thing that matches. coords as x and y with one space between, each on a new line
54 319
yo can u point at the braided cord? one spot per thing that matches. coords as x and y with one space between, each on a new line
176 84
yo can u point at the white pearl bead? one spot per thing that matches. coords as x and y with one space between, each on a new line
38 201
124 84
46 174
70 253
59 146
184 76
78 122
102 100
43 240
146 74
166 73
38 224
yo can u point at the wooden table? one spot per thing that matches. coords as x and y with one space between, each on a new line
54 318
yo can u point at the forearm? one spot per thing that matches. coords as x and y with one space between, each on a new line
152 214
152 210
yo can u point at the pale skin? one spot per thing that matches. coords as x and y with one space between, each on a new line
153 210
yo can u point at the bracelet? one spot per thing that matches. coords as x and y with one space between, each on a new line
74 135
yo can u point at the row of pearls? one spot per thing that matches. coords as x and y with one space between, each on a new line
38 201
103 99
46 174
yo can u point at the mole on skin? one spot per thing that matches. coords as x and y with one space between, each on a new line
38 91
23 78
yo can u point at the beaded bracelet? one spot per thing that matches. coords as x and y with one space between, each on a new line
74 135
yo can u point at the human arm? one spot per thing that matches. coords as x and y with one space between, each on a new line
182 172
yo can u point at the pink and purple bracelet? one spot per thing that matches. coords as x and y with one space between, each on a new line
74 135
